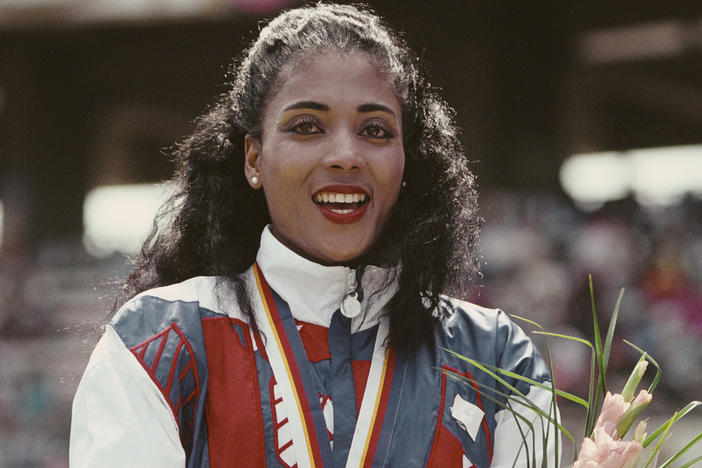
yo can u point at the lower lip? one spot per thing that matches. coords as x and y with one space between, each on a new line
343 218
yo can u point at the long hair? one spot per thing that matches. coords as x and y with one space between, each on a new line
213 222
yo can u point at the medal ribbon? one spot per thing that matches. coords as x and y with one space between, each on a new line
375 403
294 376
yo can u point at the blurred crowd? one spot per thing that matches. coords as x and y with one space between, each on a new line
537 251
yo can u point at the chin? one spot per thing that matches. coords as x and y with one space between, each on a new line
343 255
337 259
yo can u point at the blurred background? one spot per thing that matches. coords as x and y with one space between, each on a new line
584 120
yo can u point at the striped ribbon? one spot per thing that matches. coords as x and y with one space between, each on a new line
293 373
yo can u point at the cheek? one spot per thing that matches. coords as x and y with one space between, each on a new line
282 160
400 167
283 175
394 171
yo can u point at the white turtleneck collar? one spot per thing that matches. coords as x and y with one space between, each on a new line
314 292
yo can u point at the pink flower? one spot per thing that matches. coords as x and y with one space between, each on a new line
643 398
637 406
605 449
613 409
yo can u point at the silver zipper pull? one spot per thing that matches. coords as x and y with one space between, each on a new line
350 305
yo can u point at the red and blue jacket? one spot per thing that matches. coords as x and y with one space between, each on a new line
181 379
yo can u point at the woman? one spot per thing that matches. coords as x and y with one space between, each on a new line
292 313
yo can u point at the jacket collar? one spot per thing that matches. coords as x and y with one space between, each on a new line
314 292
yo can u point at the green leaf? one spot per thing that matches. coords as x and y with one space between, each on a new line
556 391
552 388
569 396
595 322
657 448
634 379
628 418
652 361
567 337
678 415
561 393
691 462
682 451
610 330
506 406
601 386
599 360
554 408
522 398
524 445
519 317
591 410
523 401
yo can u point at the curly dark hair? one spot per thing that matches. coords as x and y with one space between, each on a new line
212 224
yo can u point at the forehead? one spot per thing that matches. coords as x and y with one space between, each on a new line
334 77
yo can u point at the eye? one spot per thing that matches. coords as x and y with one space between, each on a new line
304 125
376 129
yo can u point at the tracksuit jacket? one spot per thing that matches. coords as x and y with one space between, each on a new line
180 379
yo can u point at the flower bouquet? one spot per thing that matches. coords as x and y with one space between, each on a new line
608 441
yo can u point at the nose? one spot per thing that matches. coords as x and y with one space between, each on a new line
344 152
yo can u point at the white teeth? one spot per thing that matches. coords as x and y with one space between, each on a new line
327 197
343 211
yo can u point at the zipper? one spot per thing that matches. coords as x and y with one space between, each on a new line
350 304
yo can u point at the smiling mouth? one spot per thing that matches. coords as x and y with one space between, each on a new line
340 203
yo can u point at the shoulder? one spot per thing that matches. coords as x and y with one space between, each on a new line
119 401
487 335
200 290
159 334
181 305
461 319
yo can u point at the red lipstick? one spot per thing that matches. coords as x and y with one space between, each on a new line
341 211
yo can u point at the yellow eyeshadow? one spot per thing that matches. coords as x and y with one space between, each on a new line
289 115
386 116
286 116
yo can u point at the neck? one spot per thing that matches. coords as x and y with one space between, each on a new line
314 291
352 263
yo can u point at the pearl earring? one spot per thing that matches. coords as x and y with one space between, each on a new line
254 180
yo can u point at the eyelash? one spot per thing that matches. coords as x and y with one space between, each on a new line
294 126
386 130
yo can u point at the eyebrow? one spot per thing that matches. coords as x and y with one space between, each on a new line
375 107
307 105
322 107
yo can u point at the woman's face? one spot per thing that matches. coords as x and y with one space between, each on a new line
331 156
